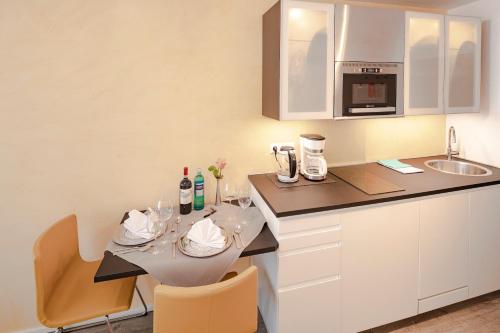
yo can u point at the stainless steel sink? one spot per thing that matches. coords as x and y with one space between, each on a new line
458 168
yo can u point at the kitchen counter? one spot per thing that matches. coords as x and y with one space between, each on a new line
324 197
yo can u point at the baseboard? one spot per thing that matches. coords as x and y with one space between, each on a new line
131 312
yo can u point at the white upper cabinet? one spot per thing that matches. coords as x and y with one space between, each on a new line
463 64
299 40
424 63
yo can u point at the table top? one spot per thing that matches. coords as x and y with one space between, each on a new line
113 267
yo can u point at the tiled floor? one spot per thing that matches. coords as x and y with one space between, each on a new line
480 315
142 325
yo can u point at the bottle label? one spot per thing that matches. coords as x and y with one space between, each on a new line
198 189
185 196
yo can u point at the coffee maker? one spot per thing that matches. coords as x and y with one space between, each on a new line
312 163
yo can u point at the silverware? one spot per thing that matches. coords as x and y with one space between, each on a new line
133 249
174 247
237 231
212 211
178 223
236 242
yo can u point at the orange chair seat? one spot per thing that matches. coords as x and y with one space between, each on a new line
77 298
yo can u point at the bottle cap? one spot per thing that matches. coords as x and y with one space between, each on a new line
185 171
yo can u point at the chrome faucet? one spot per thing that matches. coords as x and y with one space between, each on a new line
451 136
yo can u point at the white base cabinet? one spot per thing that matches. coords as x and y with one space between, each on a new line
379 275
355 269
444 244
484 241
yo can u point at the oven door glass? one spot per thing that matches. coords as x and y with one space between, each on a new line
369 94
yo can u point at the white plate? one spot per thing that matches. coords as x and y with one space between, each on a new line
121 237
196 250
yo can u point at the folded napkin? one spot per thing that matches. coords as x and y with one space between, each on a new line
137 225
399 166
206 233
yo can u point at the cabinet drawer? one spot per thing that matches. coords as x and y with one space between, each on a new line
309 264
299 240
309 308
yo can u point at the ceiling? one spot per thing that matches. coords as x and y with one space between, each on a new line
443 4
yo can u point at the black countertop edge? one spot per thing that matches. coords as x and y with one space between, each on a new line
378 200
267 202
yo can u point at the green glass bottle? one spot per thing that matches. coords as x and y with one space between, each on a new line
199 191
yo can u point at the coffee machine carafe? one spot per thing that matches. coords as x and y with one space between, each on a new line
287 172
312 163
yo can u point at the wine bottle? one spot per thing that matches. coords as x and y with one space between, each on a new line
199 191
185 194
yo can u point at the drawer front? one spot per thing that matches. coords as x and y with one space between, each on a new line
309 264
308 222
310 308
305 239
436 302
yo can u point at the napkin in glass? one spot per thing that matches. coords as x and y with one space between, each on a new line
206 233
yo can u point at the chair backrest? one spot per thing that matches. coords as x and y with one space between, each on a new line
226 307
54 250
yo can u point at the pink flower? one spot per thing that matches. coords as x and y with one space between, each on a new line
221 163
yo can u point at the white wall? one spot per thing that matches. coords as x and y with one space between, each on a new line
478 135
102 102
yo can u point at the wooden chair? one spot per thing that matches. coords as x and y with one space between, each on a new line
229 306
65 291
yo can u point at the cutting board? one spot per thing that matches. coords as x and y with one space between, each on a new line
365 181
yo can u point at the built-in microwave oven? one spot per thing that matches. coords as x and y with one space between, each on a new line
365 89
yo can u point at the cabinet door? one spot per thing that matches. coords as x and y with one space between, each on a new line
310 308
463 64
379 265
443 244
424 63
484 242
307 60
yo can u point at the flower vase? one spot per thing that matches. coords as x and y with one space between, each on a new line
218 199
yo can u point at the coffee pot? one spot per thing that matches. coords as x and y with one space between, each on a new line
288 171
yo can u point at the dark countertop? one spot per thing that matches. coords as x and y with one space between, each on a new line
323 197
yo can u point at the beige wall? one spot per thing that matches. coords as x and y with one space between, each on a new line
102 102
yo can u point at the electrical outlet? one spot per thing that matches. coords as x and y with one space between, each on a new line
278 145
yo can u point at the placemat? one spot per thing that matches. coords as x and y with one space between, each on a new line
301 182
185 271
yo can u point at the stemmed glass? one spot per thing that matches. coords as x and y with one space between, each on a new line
244 200
155 227
165 210
229 193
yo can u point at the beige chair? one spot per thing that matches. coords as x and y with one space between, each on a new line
65 290
229 306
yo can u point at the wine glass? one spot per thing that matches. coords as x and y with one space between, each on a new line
154 226
229 193
164 209
244 201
